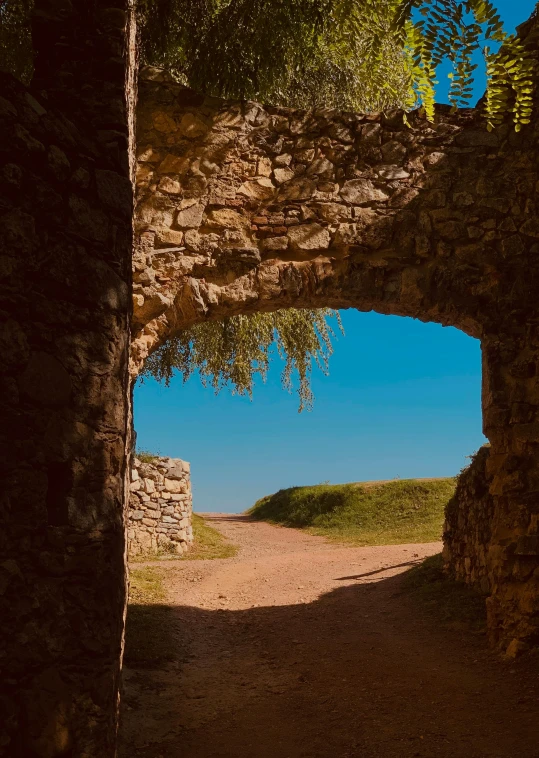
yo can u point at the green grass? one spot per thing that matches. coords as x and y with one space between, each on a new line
146 585
400 511
150 622
145 456
453 604
208 543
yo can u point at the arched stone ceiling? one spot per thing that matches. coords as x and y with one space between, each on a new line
242 207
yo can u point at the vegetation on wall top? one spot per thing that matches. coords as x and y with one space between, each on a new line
354 54
360 55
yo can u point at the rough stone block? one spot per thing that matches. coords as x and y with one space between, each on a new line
171 186
148 485
258 189
175 473
275 243
175 486
191 126
190 216
358 191
283 175
152 513
309 237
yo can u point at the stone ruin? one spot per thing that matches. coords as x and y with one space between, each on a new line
243 207
160 507
240 208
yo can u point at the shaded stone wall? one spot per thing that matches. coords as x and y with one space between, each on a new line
160 507
65 273
469 520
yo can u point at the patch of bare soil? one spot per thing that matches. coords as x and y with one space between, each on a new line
297 648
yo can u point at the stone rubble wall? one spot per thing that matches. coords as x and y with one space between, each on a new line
66 207
242 207
468 525
160 507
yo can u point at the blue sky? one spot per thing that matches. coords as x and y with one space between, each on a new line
402 400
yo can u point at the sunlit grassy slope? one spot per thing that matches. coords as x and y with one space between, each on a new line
384 513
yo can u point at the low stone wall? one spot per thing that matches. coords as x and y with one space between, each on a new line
468 525
160 508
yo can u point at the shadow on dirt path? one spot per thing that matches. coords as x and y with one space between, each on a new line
309 650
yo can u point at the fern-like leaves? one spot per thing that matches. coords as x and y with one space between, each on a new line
438 30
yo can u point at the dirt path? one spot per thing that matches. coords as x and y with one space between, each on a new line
300 649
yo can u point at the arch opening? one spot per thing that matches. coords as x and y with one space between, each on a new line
227 624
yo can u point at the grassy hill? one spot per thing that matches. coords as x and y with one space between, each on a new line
370 513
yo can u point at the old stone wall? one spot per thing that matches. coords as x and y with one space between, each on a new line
160 507
468 525
65 283
243 207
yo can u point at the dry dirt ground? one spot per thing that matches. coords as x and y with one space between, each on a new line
297 648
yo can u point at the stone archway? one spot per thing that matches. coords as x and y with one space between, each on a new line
242 208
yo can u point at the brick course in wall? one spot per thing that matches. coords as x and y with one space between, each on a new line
160 507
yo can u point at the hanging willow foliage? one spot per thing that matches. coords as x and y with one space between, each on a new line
234 351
